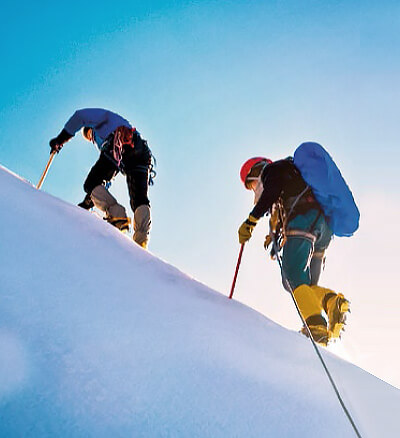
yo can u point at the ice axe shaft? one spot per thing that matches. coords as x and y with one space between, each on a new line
237 270
39 184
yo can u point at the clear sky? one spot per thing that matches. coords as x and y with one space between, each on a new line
210 84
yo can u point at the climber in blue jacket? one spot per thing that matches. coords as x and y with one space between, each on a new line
122 149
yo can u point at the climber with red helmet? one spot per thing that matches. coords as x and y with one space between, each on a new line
299 228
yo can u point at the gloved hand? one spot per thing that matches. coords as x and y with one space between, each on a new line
246 229
57 143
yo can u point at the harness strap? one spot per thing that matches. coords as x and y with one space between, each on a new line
141 168
301 233
315 221
295 202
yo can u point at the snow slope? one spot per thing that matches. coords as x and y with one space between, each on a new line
99 338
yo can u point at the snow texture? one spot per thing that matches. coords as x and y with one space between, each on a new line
99 338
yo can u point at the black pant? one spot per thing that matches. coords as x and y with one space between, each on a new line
135 165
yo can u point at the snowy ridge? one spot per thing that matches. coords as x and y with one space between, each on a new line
100 338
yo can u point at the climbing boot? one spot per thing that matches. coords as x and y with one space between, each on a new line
115 213
87 203
318 328
336 306
142 225
122 223
310 307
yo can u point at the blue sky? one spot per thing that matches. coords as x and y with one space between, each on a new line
209 84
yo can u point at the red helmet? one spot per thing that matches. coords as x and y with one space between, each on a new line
248 165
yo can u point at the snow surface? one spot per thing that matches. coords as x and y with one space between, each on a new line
99 338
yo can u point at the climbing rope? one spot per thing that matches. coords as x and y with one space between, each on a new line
335 388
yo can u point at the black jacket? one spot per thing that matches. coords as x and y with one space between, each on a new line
282 179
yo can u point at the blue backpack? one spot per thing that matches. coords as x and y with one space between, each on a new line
330 189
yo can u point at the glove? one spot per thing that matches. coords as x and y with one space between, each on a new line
57 143
246 229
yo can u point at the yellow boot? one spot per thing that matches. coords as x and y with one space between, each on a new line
143 244
141 225
335 306
122 223
310 308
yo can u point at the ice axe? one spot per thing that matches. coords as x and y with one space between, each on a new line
237 270
39 184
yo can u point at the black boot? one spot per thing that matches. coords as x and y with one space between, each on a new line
87 203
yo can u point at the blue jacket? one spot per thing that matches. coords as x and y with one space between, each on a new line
102 121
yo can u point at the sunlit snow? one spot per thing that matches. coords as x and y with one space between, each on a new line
99 338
